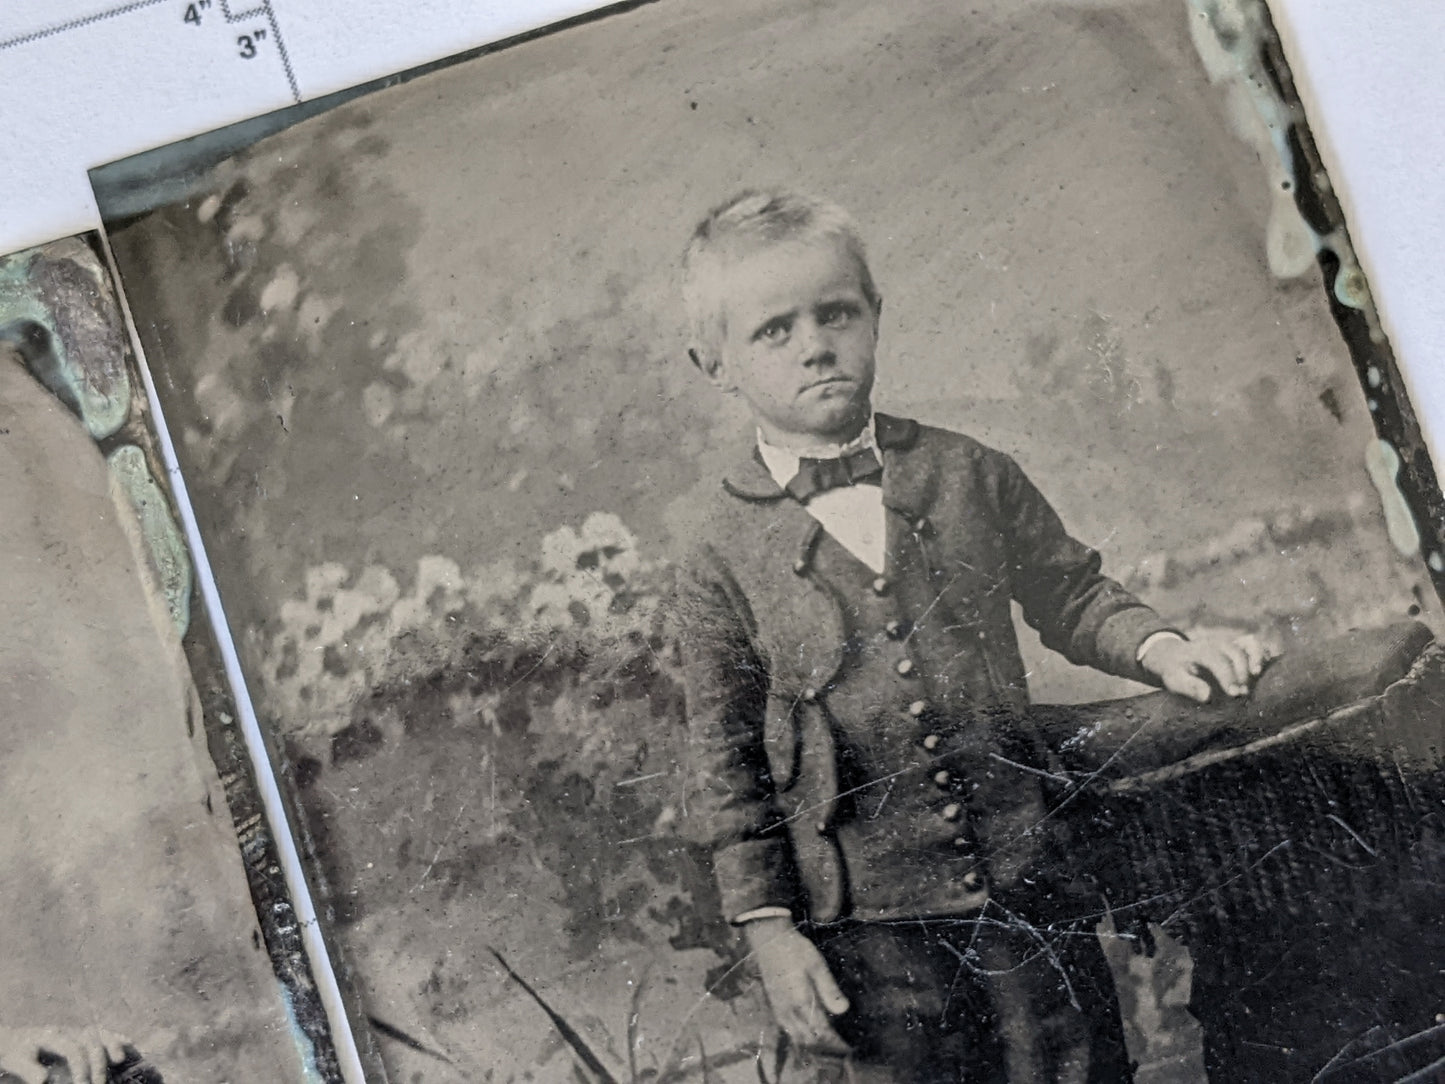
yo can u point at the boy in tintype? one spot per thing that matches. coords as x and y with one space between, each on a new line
883 840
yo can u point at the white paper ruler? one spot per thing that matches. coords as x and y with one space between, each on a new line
84 82
250 31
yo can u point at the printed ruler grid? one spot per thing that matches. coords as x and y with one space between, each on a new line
195 13
75 24
89 81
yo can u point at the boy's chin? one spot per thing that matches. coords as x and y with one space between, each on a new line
841 424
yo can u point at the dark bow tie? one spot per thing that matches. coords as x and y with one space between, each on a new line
820 475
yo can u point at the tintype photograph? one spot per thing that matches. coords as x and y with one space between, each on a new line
132 951
822 541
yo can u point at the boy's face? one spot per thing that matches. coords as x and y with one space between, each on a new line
799 340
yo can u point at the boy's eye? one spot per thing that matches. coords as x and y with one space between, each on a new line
836 315
774 331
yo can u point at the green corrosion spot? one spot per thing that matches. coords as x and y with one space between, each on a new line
165 547
1382 463
57 309
1229 36
1350 287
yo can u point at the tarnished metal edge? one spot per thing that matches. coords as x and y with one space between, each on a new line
284 930
1353 307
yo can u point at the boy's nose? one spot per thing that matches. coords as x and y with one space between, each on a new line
814 346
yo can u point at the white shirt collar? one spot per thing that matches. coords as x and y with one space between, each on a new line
782 463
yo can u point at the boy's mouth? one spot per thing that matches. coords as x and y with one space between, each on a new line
826 381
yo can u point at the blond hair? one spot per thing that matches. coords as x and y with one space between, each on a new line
749 221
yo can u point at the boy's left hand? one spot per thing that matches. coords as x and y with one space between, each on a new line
28 1054
1183 665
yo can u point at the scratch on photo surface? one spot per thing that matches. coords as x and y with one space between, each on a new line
440 847
1032 771
1023 961
638 779
1078 789
936 600
1047 948
846 793
680 1031
882 801
1423 1075
1353 834
1281 845
551 647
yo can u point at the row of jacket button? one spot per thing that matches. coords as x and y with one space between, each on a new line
945 781
897 629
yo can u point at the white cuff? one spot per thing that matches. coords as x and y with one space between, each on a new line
761 912
1154 638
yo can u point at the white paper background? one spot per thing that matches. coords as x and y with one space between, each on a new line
1373 84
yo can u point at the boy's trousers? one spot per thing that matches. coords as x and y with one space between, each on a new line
990 998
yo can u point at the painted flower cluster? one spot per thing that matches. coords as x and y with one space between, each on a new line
356 629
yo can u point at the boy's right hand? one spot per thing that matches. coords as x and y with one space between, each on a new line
801 990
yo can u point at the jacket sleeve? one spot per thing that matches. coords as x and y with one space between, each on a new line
730 805
1079 612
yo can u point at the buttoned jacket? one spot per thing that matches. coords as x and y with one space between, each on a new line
841 753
